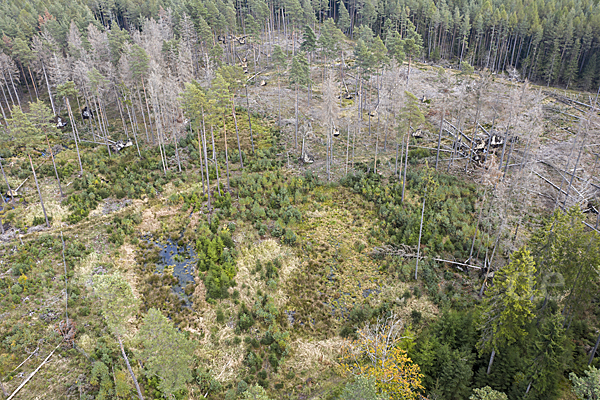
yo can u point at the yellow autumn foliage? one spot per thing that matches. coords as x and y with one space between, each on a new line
377 354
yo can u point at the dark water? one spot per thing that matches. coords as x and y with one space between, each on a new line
184 261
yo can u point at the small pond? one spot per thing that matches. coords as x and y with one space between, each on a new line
181 259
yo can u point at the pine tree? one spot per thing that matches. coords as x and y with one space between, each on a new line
23 131
309 42
331 39
395 46
413 45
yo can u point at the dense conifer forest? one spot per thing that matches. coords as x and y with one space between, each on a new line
299 200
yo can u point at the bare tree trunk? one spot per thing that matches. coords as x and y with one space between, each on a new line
2 107
74 136
508 159
491 361
26 82
437 156
237 133
399 170
143 115
137 386
397 151
12 195
405 164
353 146
328 153
205 159
574 171
14 88
249 118
163 155
48 87
133 128
376 149
489 263
101 126
296 127
420 233
347 147
408 71
39 192
119 106
4 392
594 349
385 132
201 158
133 117
54 164
504 146
2 227
176 146
214 154
12 100
103 115
226 151
92 120
278 97
148 109
477 226
62 239
474 136
34 86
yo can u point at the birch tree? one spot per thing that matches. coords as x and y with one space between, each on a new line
118 306
166 353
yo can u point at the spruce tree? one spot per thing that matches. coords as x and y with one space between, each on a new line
344 18
299 76
411 118
508 306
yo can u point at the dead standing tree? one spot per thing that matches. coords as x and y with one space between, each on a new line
330 110
39 192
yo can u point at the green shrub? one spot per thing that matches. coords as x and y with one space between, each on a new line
84 311
290 237
245 319
220 316
16 289
40 221
415 316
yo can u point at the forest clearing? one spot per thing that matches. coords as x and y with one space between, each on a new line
236 202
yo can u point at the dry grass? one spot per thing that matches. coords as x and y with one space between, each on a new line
314 355
266 250
126 265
